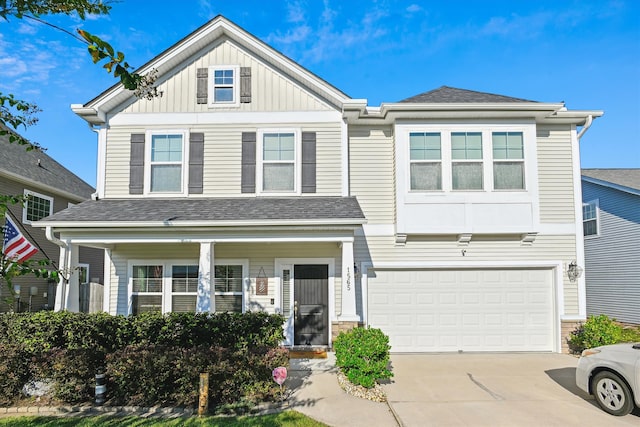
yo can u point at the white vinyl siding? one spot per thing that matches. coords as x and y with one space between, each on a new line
270 89
372 172
555 174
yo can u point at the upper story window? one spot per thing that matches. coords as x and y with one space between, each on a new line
224 85
508 161
36 207
466 161
590 218
167 169
278 170
425 155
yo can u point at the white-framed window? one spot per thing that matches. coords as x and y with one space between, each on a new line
425 156
166 168
590 218
508 160
224 85
278 154
229 288
184 287
172 286
36 207
147 286
466 161
83 273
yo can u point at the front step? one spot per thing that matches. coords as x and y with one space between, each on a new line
308 352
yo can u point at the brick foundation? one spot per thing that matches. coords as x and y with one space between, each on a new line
566 327
337 327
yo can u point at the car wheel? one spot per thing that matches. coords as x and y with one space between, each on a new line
612 393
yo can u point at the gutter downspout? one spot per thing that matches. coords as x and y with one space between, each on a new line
586 126
94 196
64 246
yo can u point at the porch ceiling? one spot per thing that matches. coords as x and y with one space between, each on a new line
154 212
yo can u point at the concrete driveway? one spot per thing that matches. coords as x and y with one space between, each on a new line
455 390
492 390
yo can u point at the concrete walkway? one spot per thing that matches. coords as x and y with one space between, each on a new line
455 390
317 394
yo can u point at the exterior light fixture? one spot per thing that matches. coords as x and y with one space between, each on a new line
574 271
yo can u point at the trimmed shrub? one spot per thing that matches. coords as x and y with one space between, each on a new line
14 372
146 374
363 355
597 331
73 373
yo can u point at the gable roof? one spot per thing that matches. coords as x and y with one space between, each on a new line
39 169
210 212
627 180
96 109
447 94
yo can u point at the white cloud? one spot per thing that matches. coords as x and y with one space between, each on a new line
25 28
206 9
413 8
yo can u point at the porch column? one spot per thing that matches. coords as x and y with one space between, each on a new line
205 279
68 291
348 312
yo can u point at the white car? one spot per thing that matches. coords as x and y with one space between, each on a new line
611 373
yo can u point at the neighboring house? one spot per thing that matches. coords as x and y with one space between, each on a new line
447 219
611 218
50 188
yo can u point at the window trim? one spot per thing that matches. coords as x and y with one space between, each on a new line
212 86
425 161
596 203
297 162
486 130
245 288
25 208
167 271
185 162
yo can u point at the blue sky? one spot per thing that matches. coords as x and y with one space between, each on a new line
585 53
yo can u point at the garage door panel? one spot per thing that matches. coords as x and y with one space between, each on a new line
468 310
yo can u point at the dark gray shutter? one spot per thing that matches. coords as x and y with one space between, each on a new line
245 85
308 162
248 162
136 164
202 89
196 162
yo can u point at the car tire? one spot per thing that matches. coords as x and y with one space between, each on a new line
612 393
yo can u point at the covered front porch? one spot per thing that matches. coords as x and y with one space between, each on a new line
306 272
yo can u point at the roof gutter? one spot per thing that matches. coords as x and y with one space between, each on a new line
586 126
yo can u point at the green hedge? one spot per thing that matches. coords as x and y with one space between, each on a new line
149 359
363 355
600 330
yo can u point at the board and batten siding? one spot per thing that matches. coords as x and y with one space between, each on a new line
612 259
271 90
223 157
555 174
494 249
372 174
260 256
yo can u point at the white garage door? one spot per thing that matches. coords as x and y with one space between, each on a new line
467 310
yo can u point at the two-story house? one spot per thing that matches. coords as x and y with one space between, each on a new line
448 219
611 225
48 187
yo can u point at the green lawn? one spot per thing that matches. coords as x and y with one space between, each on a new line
282 419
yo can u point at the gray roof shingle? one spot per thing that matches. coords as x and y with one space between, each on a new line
446 94
258 209
36 166
625 177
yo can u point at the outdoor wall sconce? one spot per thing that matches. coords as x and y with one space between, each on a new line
574 271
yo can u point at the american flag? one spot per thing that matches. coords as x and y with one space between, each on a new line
16 247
